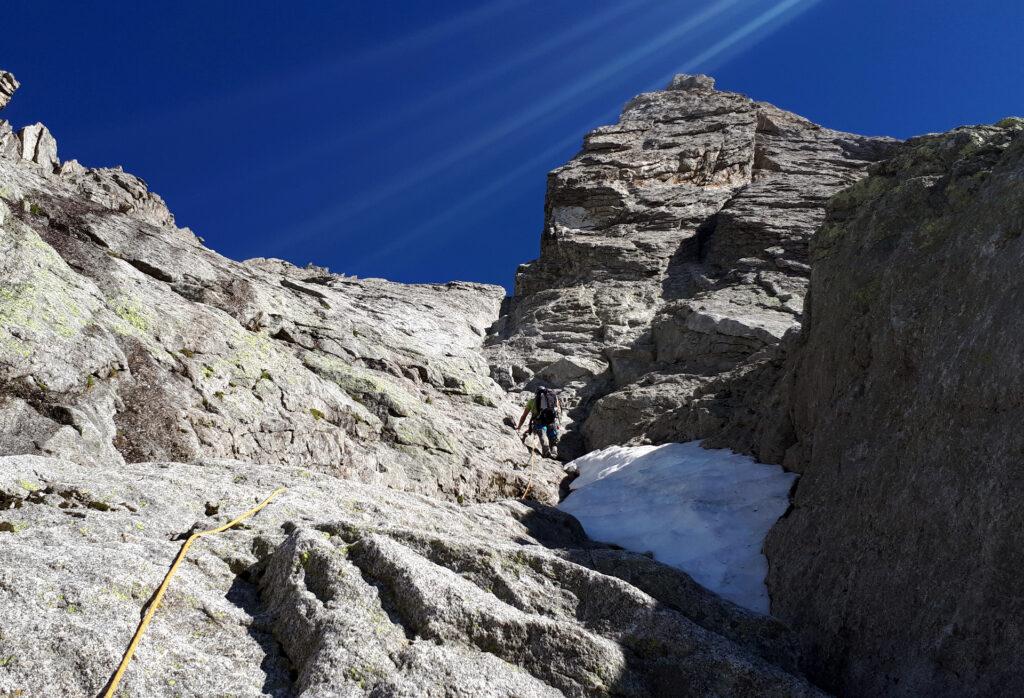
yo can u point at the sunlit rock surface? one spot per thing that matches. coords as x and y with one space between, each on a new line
150 387
674 248
8 85
123 338
340 588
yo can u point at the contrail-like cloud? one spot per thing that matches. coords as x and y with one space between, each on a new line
545 108
552 44
758 28
765 22
486 77
464 204
271 89
434 33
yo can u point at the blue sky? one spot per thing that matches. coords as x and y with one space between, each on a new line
411 139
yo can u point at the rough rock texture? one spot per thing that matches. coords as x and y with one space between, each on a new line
344 589
123 337
150 388
901 560
674 248
8 85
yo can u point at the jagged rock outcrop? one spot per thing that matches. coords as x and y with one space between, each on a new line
900 562
674 248
8 85
339 588
123 337
32 144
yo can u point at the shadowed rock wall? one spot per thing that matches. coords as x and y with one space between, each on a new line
901 562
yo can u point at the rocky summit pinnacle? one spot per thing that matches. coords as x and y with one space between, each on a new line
674 249
683 81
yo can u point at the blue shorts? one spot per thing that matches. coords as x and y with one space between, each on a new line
551 429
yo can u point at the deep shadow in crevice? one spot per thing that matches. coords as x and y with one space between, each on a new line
384 593
565 486
653 664
686 264
280 676
552 527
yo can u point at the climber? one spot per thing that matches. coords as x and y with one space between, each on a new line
544 410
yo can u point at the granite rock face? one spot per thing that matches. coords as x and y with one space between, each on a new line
674 249
124 338
150 388
900 563
8 85
344 589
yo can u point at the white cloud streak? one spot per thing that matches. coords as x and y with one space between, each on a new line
336 216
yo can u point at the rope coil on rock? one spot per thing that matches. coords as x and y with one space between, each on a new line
159 595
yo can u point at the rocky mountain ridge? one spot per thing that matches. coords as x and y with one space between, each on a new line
711 267
674 249
150 387
898 402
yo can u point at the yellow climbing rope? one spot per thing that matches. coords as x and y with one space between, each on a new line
529 465
144 623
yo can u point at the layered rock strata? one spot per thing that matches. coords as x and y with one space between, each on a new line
674 248
8 85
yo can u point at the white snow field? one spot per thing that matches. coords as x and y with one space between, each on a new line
704 511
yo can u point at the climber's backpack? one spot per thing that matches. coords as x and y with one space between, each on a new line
547 407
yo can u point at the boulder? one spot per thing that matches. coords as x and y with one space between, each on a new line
568 369
39 146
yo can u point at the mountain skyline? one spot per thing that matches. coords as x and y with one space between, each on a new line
412 143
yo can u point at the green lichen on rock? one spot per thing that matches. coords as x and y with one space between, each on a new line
475 390
1015 123
36 299
363 385
133 313
28 485
413 431
253 353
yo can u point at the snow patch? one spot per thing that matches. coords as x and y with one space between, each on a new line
704 511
